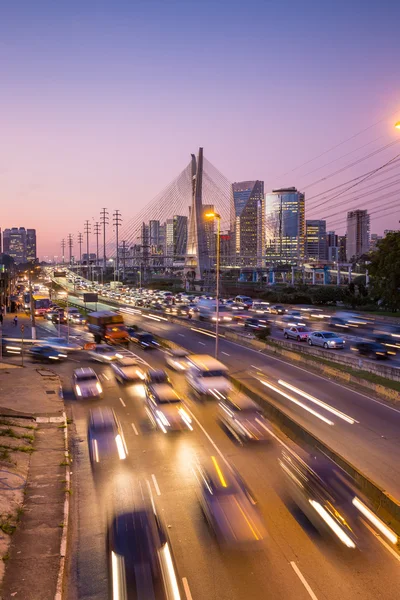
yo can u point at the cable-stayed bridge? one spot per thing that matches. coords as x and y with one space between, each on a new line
172 227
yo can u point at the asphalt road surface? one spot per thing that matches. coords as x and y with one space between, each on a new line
364 430
295 564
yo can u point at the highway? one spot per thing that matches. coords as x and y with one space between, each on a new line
370 442
295 564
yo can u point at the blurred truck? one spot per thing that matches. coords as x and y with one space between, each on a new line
108 326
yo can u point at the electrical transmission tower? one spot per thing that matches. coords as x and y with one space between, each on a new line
70 244
63 250
87 231
117 220
80 242
123 259
104 223
96 232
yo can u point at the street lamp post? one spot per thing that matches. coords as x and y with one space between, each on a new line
217 217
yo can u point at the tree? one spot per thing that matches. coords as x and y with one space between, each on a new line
327 295
384 269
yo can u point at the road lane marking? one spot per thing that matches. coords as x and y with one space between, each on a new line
382 541
105 377
187 588
226 354
257 368
303 580
327 407
202 343
295 401
209 438
181 334
156 484
122 402
134 428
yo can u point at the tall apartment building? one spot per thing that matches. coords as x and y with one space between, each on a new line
357 233
31 245
20 244
316 242
176 232
248 229
332 242
284 225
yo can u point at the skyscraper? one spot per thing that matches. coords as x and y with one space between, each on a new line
31 245
176 232
316 243
332 240
248 198
20 244
374 239
284 225
357 233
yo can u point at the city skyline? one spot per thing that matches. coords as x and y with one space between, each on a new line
93 104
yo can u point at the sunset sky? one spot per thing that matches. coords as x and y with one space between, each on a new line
103 102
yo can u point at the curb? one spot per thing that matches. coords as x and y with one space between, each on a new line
63 544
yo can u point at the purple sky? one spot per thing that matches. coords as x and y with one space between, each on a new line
103 102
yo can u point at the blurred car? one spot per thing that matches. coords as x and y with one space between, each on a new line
58 317
277 309
255 324
228 505
140 559
155 376
372 350
207 376
243 418
45 353
389 335
86 384
325 495
10 348
62 344
145 340
106 440
337 323
297 333
104 353
127 369
49 314
177 359
326 339
166 409
77 319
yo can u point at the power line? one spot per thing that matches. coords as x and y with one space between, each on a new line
87 231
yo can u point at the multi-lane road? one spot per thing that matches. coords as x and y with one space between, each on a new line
296 563
364 430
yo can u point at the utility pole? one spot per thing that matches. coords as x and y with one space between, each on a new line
123 260
87 231
117 220
63 250
80 242
70 244
32 304
104 223
97 233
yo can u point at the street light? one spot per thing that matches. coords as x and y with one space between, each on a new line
217 217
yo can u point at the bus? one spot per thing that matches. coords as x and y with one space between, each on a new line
41 303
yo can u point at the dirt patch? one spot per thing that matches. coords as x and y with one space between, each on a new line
16 447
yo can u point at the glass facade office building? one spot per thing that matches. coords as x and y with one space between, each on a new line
284 226
248 197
